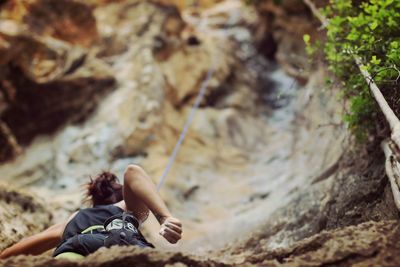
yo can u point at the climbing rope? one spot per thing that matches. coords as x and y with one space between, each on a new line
195 107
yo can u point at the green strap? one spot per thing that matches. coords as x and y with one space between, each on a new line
70 256
77 256
92 228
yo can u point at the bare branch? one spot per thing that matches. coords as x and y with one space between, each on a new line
392 171
392 119
316 12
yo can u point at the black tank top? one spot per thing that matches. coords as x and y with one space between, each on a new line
84 244
89 217
72 239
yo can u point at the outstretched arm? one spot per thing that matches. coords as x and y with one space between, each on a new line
39 243
36 244
140 194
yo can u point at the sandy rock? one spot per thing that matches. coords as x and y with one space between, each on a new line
367 244
126 25
52 58
182 89
57 69
283 35
121 256
22 214
70 21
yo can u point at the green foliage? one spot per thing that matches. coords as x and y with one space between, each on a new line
370 30
311 48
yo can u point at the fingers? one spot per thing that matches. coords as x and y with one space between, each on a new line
174 224
174 221
171 230
170 235
173 227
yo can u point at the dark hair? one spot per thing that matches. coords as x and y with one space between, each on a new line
104 189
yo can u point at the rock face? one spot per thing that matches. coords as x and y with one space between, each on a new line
367 244
69 21
21 214
265 167
42 66
343 199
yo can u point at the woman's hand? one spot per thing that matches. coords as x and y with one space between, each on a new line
171 230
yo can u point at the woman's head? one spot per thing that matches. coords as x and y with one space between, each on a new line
104 189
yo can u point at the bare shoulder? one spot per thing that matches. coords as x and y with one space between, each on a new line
55 230
72 216
134 168
121 205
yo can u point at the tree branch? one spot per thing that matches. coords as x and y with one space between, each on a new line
392 171
391 118
316 12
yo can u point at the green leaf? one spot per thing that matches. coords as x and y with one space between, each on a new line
375 61
306 38
352 36
374 25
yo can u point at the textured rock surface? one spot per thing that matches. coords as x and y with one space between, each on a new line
367 244
40 68
70 21
21 214
281 39
265 164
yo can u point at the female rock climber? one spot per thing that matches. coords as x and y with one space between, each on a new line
87 229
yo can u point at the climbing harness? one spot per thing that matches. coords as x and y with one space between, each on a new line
123 231
188 122
119 229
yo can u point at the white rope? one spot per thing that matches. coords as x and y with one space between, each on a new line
195 107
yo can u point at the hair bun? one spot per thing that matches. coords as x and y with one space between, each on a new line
104 189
